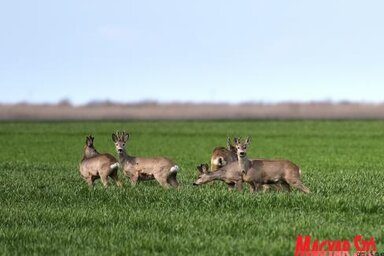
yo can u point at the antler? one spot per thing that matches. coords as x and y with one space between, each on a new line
121 136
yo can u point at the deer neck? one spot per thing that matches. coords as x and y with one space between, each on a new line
217 175
90 152
233 154
244 163
123 156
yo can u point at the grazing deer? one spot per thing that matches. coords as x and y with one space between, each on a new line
137 169
222 156
230 174
95 165
260 171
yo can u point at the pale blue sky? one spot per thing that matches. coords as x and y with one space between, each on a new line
195 51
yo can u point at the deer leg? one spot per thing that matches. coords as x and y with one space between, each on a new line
163 183
298 184
283 186
134 179
303 188
89 180
257 186
239 185
104 180
115 177
231 186
265 187
252 188
173 181
163 180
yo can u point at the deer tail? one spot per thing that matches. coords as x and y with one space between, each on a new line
115 165
174 169
219 161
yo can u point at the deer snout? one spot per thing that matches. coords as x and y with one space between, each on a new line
120 150
194 184
242 154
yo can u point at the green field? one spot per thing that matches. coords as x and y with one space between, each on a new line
47 209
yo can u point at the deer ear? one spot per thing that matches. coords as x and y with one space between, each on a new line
229 144
126 137
248 140
200 168
114 137
205 168
236 140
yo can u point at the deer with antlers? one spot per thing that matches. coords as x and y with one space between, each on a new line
225 167
95 165
261 171
162 169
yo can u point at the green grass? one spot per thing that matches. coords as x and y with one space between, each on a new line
47 209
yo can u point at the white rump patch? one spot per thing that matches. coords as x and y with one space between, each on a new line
115 165
217 161
174 169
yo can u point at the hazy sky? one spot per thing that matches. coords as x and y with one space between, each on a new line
222 51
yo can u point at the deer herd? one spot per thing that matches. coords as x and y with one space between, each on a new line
228 164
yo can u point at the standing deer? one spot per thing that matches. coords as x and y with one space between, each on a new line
95 165
89 148
230 174
260 171
137 169
222 156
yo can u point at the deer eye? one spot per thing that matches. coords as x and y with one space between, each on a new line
123 144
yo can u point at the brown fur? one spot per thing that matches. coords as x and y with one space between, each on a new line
222 156
89 149
230 174
95 165
137 169
261 171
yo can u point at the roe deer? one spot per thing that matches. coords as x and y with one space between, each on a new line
222 156
137 169
95 165
89 148
261 171
230 174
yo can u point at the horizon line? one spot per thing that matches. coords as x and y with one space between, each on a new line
69 103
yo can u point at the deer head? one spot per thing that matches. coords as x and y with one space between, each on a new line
241 148
204 174
120 138
89 141
89 148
